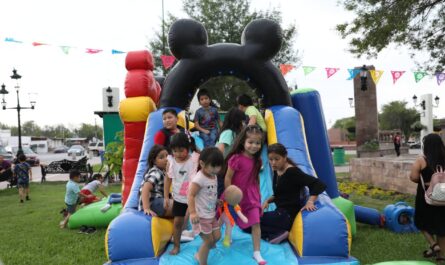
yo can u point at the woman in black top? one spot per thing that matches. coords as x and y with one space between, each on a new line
430 220
288 183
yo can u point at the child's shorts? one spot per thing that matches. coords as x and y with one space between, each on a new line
179 209
70 208
88 200
157 206
23 184
206 226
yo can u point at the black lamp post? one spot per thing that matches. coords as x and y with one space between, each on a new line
109 97
3 91
364 78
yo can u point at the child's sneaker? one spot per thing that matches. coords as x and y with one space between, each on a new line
27 198
90 230
83 229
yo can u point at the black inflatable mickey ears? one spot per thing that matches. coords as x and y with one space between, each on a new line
261 40
264 38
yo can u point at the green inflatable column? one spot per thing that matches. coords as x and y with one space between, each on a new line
347 208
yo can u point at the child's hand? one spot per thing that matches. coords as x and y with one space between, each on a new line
150 212
166 202
219 203
264 206
205 131
194 218
310 206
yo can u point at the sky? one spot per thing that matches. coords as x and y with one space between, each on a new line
68 87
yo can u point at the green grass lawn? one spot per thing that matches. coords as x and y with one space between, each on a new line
30 234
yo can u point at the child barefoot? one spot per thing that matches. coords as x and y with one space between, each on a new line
244 164
182 166
202 198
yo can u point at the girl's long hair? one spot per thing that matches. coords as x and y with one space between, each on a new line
154 151
280 150
238 148
234 121
434 151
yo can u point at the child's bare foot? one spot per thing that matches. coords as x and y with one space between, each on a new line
62 224
174 251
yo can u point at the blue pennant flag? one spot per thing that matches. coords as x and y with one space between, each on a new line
12 40
116 52
353 73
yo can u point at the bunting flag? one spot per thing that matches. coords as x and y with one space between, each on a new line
38 44
286 68
331 71
419 75
353 73
396 75
167 60
116 52
12 40
440 78
65 49
308 69
376 75
92 51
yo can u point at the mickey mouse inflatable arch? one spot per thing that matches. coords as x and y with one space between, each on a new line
320 237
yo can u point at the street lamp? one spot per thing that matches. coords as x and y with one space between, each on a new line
4 92
436 100
109 97
351 102
363 78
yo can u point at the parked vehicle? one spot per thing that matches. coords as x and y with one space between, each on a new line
6 155
96 147
414 145
76 149
31 158
61 149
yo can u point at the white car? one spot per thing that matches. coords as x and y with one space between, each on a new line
96 147
76 149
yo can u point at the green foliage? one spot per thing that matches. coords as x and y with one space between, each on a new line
347 124
418 24
417 126
114 154
395 115
371 145
225 22
29 128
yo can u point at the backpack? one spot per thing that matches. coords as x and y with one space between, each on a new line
435 194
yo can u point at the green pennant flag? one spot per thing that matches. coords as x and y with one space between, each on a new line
65 49
419 75
308 69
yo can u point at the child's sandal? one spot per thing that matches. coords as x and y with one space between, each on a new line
431 251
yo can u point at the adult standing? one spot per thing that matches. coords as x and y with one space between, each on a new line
430 220
288 182
397 141
5 169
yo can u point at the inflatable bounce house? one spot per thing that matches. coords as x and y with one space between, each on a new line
295 120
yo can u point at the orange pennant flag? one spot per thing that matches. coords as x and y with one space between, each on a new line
286 68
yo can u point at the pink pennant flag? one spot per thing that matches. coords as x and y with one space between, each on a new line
38 43
396 75
92 51
167 60
331 71
286 68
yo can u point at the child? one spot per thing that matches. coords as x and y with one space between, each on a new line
288 181
245 104
169 121
182 166
92 187
23 173
151 193
232 126
207 119
202 199
244 164
72 196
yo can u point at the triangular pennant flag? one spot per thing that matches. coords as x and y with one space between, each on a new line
38 44
376 74
286 68
331 71
440 78
65 49
308 69
419 75
116 52
12 40
167 60
353 73
396 75
92 51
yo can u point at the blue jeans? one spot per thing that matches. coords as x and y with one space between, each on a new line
209 139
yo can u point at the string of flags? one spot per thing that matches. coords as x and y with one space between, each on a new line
375 74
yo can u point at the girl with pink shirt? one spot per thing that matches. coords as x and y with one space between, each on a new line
244 164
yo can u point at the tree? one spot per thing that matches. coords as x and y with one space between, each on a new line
418 24
395 115
347 124
29 128
89 131
225 22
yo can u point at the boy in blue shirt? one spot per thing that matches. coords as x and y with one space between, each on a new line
207 119
72 195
